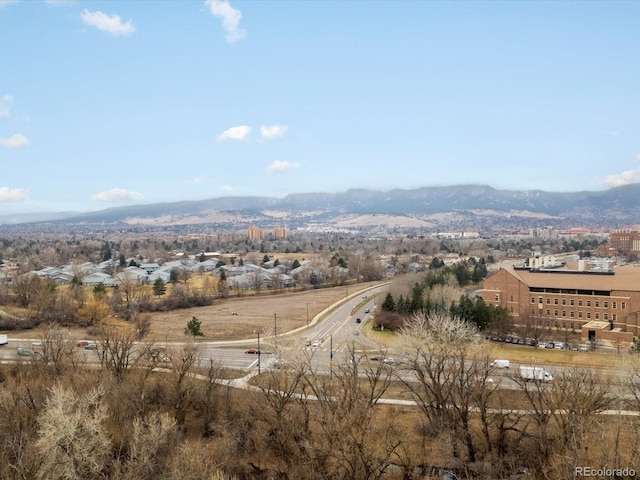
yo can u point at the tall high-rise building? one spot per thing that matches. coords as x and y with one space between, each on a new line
255 233
278 233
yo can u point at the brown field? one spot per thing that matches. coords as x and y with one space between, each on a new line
255 313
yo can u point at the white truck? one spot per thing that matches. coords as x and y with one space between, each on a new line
4 339
535 373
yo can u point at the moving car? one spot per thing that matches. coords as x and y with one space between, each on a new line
24 352
358 320
367 310
253 351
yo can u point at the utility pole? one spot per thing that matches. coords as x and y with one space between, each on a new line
259 353
275 330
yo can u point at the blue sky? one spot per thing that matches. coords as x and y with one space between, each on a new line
108 103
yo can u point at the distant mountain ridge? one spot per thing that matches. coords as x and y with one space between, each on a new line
468 206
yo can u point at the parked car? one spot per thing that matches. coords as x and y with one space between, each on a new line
24 352
317 343
366 310
358 320
234 314
82 343
253 351
91 346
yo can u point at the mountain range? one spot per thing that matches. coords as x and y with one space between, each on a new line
450 207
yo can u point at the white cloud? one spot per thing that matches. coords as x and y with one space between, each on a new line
15 141
282 166
230 18
109 24
272 131
5 105
623 178
238 134
4 3
116 195
12 194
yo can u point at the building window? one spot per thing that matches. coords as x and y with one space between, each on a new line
555 301
588 315
614 305
548 301
564 301
597 303
555 313
571 302
571 314
564 313
606 304
533 300
614 317
548 312
606 316
511 298
497 297
579 314
533 311
571 325
588 303
539 299
623 305
597 316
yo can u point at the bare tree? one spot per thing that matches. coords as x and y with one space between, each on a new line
56 349
72 440
150 441
441 353
116 350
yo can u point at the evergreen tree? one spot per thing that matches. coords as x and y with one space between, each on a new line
389 305
159 287
193 328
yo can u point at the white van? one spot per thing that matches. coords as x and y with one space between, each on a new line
500 364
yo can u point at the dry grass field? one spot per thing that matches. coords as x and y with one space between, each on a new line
254 313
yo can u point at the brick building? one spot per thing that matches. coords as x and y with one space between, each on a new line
625 242
255 233
278 233
605 305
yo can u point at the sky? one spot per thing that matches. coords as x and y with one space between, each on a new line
113 103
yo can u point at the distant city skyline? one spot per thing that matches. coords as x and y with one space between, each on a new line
113 103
